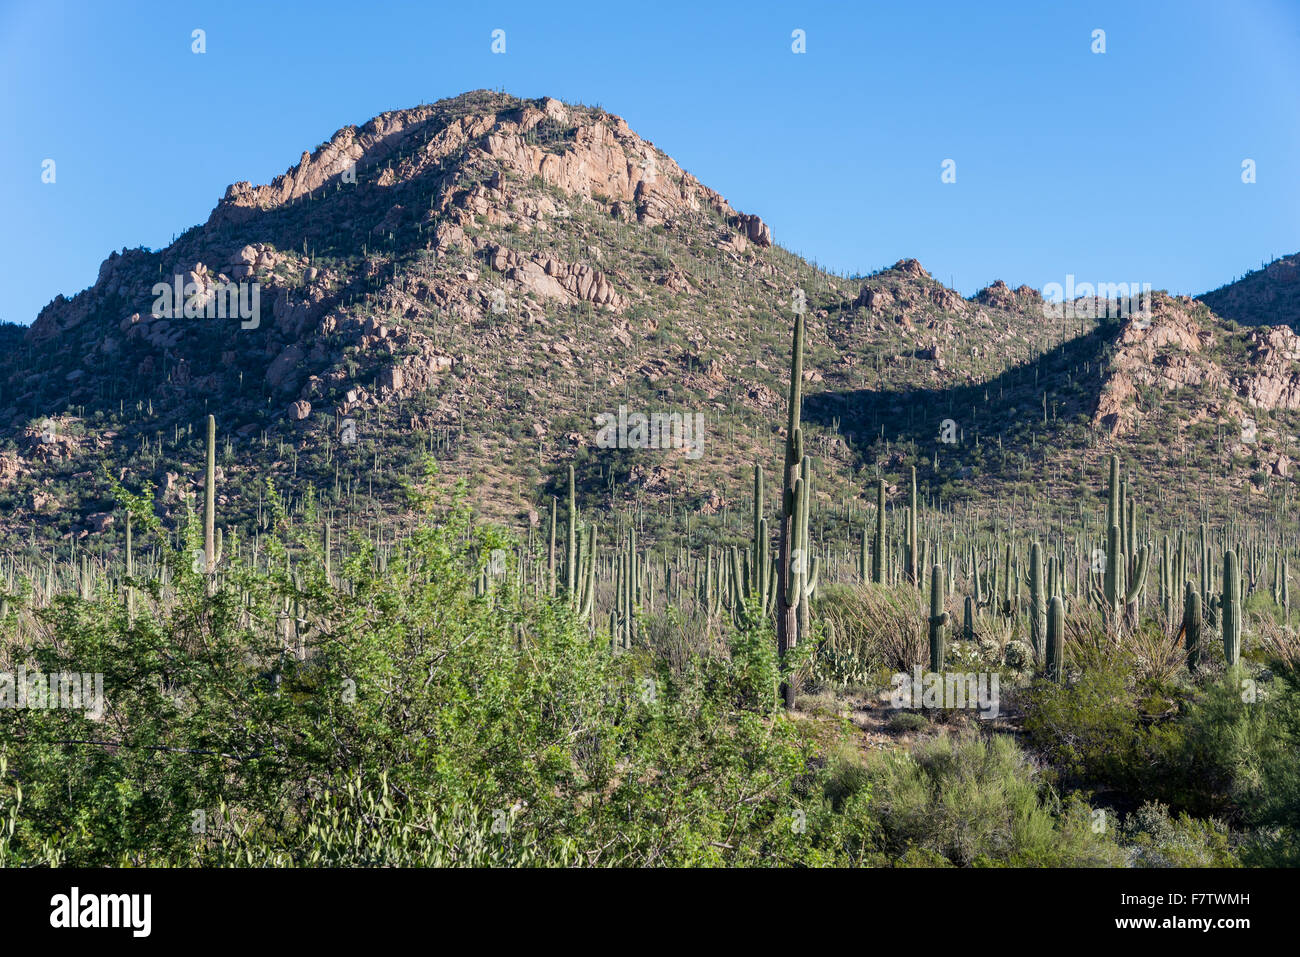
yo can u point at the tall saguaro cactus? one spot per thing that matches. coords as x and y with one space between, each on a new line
789 583
878 556
1037 601
1230 608
210 557
571 564
913 546
550 553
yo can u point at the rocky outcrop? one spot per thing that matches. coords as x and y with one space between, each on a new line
1272 378
998 295
1170 350
1162 350
753 229
552 279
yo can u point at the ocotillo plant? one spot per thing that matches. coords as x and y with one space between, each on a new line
1055 656
938 620
1230 608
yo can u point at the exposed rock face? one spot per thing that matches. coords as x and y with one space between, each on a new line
1273 378
553 279
99 521
485 152
999 295
754 229
876 300
1162 350
10 468
282 373
910 268
905 291
1169 351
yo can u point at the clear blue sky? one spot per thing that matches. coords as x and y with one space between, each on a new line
1122 166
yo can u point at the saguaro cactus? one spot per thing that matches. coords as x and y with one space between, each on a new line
550 552
878 557
587 591
1192 625
913 546
938 619
1055 657
210 556
130 573
864 563
1230 608
1125 574
751 578
790 584
1037 600
571 565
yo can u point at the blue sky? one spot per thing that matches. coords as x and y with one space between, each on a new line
1119 166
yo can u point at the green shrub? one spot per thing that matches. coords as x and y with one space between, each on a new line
978 802
1160 840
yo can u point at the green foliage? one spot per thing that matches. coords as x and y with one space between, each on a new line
969 801
425 724
755 668
1228 751
1158 839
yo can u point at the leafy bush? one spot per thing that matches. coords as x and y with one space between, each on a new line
1160 840
975 801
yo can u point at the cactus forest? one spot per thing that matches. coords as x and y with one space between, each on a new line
511 697
487 490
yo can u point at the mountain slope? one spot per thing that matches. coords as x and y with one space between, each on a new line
482 278
1263 297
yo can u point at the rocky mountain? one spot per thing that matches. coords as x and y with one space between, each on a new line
488 280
